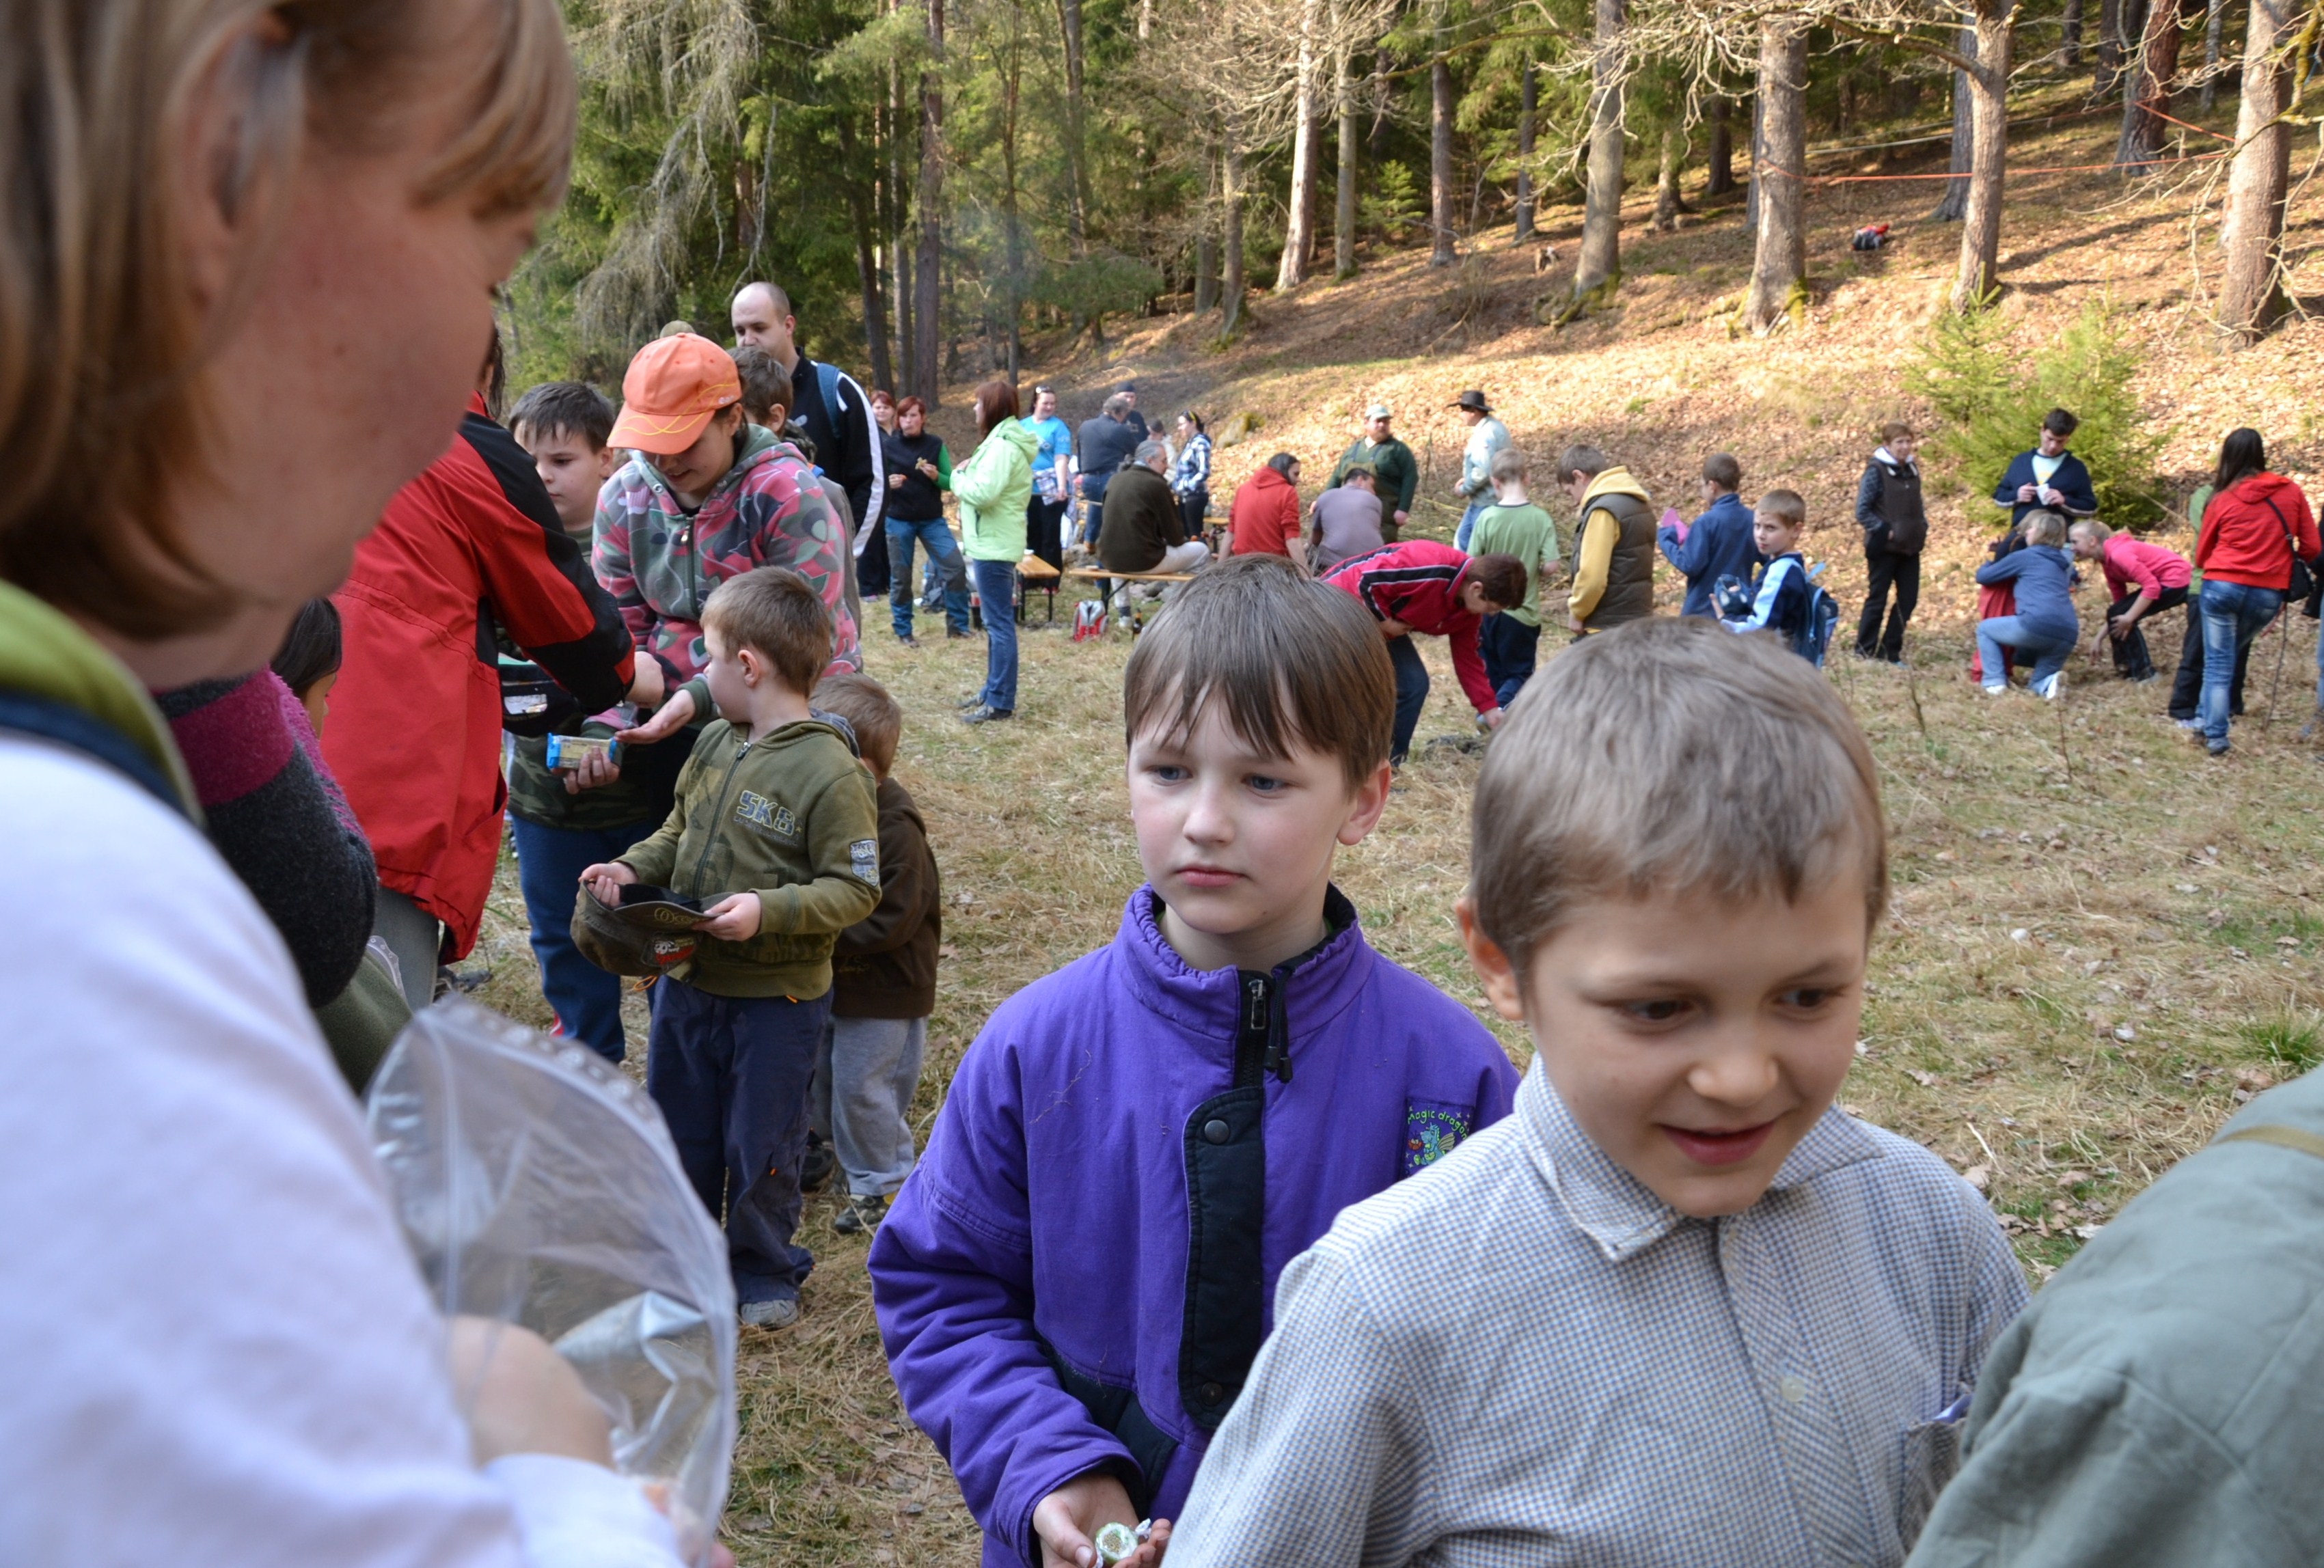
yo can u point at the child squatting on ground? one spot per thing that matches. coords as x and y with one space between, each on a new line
772 803
1678 1308
1073 1285
883 975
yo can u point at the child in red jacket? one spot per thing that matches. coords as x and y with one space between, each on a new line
1431 588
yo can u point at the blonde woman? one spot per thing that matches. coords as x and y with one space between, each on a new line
243 289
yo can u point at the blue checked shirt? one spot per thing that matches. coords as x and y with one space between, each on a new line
1523 1357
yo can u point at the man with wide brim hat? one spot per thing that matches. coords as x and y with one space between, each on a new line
1394 468
1486 435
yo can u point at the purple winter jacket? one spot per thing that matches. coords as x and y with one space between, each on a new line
1077 1275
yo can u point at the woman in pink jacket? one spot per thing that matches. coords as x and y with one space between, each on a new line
2142 580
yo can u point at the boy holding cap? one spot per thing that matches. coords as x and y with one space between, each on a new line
1486 435
706 496
1394 473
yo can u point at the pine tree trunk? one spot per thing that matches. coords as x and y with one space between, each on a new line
929 304
2249 294
1953 205
1344 214
1667 205
867 266
1779 262
1442 251
1755 186
1722 147
2107 73
2069 36
1206 240
1077 195
2143 134
2215 24
1307 150
1232 193
1528 112
1980 253
1598 271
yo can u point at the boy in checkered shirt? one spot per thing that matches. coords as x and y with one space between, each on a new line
1678 1308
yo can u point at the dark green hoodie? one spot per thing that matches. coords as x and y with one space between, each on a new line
793 817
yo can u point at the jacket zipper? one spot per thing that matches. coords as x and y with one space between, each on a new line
1263 1029
702 863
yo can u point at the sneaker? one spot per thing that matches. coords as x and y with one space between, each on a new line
973 699
906 640
952 636
2217 748
780 1312
981 715
2188 723
2050 689
860 1213
1994 690
815 1171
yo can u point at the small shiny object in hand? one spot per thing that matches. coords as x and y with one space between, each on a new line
1114 1542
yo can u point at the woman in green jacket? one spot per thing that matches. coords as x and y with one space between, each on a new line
994 486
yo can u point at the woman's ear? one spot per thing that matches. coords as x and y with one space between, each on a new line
1495 972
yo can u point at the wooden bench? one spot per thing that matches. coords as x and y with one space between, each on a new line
1105 581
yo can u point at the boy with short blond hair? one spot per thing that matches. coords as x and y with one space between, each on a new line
1678 1307
1071 1285
1782 597
884 977
774 803
1512 525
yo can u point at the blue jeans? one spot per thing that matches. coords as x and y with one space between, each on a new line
550 860
1997 633
944 554
2234 615
1411 695
731 1076
996 591
1093 507
1477 505
1510 649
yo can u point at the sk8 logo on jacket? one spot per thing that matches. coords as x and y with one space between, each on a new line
760 811
864 856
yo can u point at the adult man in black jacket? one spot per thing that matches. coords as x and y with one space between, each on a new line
1144 530
838 420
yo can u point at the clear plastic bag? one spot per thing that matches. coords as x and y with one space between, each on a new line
537 1185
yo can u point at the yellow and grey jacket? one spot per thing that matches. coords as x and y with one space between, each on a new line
1613 553
793 818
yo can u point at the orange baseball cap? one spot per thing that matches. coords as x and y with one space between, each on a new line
671 389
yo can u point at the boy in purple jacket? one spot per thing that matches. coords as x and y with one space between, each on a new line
1073 1285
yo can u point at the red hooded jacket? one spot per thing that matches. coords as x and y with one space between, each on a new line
2244 540
1264 516
1418 583
414 735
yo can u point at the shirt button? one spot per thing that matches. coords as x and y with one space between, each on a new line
1794 1389
1214 1130
1212 1392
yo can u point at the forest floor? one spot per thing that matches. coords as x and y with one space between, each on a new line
2101 942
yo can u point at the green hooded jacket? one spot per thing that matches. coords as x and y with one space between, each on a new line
994 486
793 817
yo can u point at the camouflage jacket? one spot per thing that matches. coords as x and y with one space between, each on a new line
660 563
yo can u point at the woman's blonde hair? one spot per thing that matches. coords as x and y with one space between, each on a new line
102 340
2044 528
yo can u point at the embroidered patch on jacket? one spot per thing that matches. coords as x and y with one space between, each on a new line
864 854
1432 1131
755 807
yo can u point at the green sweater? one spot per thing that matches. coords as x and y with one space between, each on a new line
1395 475
793 817
1525 532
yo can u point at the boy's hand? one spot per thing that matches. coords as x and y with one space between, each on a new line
733 918
607 879
1067 1518
2026 493
675 715
1391 629
520 1397
646 686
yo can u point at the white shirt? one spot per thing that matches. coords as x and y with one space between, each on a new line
1522 1357
215 1346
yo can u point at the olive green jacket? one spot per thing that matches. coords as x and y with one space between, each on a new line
794 819
2157 1402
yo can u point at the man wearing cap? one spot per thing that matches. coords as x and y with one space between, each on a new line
838 420
1133 419
706 495
1394 473
1486 435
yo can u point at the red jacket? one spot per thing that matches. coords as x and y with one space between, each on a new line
2243 538
414 735
1418 583
1264 516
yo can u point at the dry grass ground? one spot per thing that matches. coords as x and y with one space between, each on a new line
2101 940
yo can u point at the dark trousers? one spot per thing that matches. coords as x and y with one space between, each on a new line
731 1076
2132 660
1509 647
1889 569
550 860
871 565
1042 523
1193 508
2186 686
1411 695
